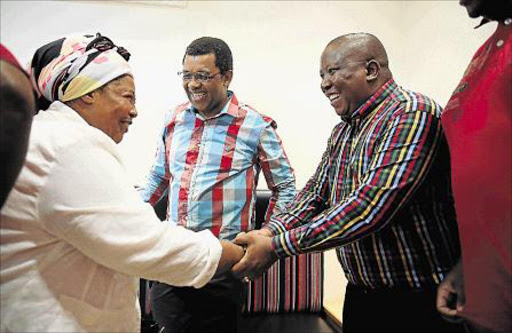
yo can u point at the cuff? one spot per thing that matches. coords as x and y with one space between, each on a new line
285 245
276 226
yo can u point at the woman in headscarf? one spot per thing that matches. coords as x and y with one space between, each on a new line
74 232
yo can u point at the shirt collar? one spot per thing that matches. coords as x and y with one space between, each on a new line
230 108
374 100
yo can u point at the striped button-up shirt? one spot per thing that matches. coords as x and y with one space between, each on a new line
381 195
210 167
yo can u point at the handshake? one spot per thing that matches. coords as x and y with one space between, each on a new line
249 255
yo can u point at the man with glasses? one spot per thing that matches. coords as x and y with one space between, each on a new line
381 196
209 156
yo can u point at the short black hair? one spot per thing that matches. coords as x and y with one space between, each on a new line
211 45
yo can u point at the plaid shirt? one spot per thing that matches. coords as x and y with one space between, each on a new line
210 167
381 194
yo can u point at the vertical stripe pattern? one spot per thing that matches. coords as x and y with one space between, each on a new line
291 285
210 168
381 194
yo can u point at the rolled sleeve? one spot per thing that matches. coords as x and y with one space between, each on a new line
157 180
277 170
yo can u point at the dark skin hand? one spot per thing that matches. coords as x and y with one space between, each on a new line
259 254
231 254
450 294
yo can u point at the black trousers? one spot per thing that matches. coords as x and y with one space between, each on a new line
394 310
213 308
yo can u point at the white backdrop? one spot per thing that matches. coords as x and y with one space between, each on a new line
276 47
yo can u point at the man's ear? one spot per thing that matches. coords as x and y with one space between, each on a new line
226 78
372 70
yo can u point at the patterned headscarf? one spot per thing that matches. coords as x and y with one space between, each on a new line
73 66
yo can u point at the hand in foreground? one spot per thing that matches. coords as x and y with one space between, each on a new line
231 254
262 232
450 294
259 254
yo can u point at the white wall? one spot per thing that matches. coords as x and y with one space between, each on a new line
276 47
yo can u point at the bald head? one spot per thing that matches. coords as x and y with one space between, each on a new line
353 67
362 46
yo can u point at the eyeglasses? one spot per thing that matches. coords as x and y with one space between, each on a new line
199 76
102 44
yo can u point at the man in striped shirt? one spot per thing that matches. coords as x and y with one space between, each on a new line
209 157
381 196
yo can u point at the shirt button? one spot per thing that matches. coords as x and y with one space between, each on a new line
500 43
508 21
